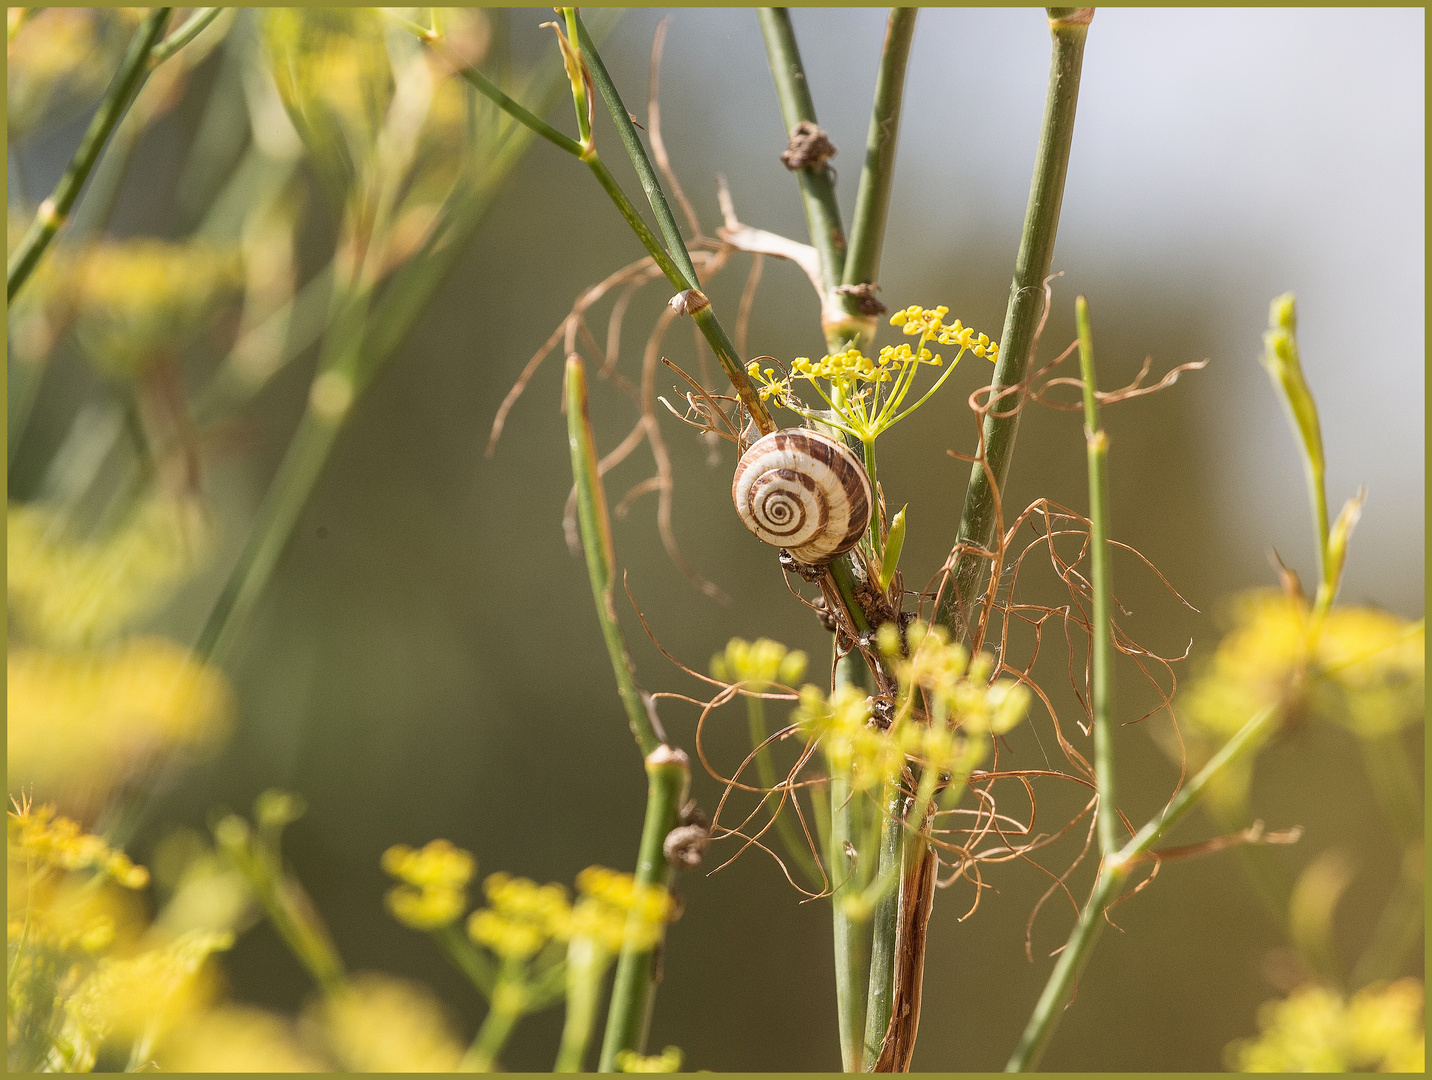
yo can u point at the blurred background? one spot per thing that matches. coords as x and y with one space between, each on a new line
424 660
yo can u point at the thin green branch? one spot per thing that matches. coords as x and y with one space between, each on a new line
872 198
1101 640
601 559
817 186
979 517
1113 872
634 988
53 212
685 276
586 964
505 1009
191 28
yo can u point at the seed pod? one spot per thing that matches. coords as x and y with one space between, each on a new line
803 491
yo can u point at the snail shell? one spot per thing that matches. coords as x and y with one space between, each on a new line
805 492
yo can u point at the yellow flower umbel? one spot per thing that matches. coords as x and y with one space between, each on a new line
865 396
80 723
70 592
381 1024
82 971
433 889
761 664
1379 1029
140 301
1363 668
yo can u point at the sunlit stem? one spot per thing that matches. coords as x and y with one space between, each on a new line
1113 872
1101 586
850 939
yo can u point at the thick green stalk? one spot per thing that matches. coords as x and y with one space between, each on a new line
872 198
1113 872
601 559
884 929
634 990
817 186
1101 639
53 211
850 937
978 519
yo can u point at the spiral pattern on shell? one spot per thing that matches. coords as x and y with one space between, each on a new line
805 492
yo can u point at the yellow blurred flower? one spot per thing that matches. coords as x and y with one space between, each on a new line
383 1024
69 592
79 723
1316 1030
237 1039
139 301
139 998
1365 668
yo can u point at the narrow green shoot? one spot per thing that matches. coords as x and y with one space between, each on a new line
872 197
1113 873
54 211
1101 639
851 941
191 28
601 558
1068 27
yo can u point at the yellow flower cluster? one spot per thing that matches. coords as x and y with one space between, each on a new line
433 889
141 996
957 689
1366 668
864 395
959 703
852 747
79 723
613 909
761 663
382 1024
929 323
521 918
139 301
39 839
1379 1029
73 592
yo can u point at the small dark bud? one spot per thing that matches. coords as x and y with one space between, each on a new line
809 148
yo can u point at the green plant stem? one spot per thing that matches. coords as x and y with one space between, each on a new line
850 936
682 274
467 958
872 198
1397 930
1113 872
191 28
884 927
1399 927
634 989
817 187
585 967
979 517
601 559
793 839
1101 639
502 1016
288 493
54 210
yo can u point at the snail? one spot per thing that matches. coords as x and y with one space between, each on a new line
803 491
